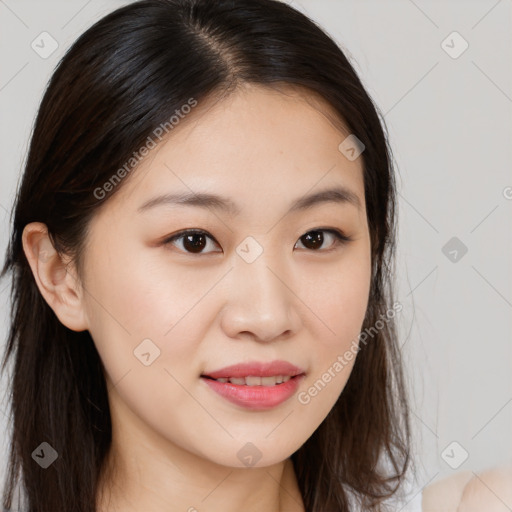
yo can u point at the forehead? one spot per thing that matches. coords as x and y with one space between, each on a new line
250 147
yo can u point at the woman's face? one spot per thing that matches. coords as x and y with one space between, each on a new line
265 280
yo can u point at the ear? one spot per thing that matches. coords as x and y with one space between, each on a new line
55 277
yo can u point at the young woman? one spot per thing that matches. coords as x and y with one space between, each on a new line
202 263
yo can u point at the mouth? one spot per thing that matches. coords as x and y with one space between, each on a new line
256 386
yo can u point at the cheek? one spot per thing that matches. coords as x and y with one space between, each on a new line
341 301
340 304
143 299
145 295
143 327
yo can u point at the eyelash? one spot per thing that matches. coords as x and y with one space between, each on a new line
340 238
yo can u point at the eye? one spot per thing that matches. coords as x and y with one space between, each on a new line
314 239
194 241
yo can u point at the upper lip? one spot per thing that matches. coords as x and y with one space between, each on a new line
256 369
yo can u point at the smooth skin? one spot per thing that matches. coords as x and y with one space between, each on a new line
175 441
466 491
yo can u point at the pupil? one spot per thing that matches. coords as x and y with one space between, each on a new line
195 245
314 239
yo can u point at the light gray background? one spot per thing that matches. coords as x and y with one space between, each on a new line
450 124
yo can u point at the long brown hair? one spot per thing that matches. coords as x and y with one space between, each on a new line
121 79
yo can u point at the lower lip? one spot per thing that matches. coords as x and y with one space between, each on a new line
255 397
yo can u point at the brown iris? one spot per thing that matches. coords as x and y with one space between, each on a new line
313 239
194 242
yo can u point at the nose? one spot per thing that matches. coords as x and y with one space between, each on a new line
260 301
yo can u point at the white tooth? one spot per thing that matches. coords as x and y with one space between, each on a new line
256 381
268 381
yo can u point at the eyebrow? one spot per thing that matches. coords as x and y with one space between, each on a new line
338 195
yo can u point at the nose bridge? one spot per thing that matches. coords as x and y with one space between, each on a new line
262 279
260 299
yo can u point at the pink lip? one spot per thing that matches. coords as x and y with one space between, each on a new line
256 369
255 397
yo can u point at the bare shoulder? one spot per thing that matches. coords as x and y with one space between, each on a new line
489 490
446 494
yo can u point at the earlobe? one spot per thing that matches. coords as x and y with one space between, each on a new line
54 276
